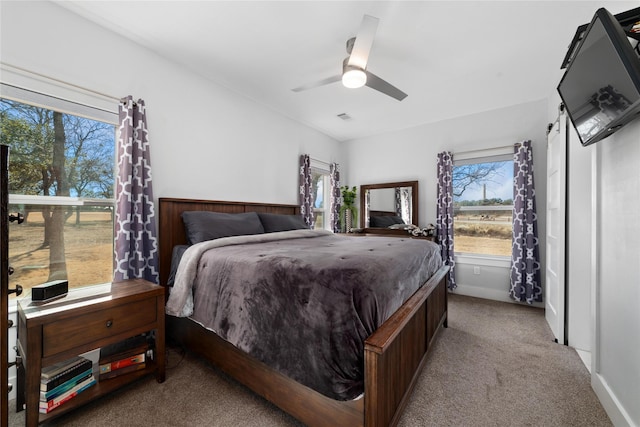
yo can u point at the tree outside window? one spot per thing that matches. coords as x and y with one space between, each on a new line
61 177
483 206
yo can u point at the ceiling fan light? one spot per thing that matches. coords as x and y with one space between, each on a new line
354 78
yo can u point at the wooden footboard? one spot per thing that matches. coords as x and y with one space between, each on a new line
394 354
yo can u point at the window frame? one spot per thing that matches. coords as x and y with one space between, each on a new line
39 91
322 169
489 155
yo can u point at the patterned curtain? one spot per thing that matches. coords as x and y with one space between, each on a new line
367 207
135 242
398 201
306 191
525 259
334 214
406 212
444 224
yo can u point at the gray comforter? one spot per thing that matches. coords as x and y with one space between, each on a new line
302 301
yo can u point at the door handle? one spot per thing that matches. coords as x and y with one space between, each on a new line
17 290
16 217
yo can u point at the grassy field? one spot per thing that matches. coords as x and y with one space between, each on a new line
486 237
484 245
88 250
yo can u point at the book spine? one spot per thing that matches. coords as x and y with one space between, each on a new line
104 359
122 371
46 407
112 366
47 395
50 384
57 368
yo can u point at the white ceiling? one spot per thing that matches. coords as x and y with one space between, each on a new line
452 58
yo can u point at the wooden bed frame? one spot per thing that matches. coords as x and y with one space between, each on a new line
394 354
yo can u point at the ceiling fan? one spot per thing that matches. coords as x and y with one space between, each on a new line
354 67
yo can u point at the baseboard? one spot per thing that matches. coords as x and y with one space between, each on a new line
585 356
486 293
616 412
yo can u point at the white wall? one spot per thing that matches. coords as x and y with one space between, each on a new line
206 141
616 294
411 155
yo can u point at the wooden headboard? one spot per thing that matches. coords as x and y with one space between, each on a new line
171 228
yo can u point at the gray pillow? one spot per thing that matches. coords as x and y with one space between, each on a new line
384 221
202 226
278 222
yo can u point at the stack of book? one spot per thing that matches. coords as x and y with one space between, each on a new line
63 381
124 357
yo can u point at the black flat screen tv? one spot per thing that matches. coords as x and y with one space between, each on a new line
601 86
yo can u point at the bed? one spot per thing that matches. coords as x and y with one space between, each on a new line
393 354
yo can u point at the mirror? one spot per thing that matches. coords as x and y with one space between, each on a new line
382 205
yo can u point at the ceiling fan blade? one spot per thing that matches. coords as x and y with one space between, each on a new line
375 82
364 40
322 82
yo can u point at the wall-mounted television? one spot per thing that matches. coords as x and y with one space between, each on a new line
601 86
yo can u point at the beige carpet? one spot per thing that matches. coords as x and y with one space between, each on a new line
496 365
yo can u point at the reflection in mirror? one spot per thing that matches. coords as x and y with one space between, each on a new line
389 205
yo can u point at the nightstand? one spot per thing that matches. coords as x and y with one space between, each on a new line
86 319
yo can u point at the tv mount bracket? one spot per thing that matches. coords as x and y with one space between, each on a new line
628 20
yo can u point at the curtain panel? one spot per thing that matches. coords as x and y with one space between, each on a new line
135 241
444 218
306 191
525 259
334 214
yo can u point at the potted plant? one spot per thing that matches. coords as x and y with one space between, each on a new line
348 210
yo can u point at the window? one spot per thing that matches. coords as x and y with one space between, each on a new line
322 191
61 177
483 204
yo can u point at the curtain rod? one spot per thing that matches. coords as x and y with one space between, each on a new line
24 70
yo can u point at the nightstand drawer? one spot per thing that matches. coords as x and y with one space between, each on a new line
69 333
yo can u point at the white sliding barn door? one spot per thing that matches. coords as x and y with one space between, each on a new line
555 238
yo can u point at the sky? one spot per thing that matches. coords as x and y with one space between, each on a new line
501 187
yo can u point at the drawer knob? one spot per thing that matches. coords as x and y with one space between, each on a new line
109 323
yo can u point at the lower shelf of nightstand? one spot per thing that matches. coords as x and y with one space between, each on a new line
97 390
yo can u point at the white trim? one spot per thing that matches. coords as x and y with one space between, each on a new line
612 406
36 89
319 165
497 152
595 261
24 199
483 260
490 294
